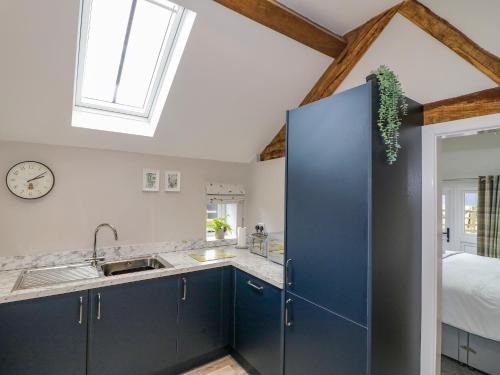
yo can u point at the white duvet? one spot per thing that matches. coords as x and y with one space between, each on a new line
471 294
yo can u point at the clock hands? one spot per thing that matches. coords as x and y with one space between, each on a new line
41 175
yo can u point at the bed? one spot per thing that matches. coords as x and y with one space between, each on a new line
471 310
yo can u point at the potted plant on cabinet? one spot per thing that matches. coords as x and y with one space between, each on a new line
219 226
392 105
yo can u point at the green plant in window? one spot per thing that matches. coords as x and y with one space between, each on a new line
218 224
392 105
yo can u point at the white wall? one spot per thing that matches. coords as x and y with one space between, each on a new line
96 186
471 156
266 201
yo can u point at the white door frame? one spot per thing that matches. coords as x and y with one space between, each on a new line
430 350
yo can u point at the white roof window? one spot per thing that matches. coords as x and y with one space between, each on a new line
128 54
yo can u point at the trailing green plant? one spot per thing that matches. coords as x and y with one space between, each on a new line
219 223
392 105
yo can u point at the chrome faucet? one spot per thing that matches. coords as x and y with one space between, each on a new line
94 258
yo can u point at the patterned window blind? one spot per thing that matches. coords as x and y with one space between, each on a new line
224 193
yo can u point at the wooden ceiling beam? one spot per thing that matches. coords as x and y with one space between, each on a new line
453 38
358 42
276 16
481 103
360 39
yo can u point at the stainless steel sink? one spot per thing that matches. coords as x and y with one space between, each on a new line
39 277
133 265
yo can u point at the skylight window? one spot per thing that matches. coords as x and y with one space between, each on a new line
129 51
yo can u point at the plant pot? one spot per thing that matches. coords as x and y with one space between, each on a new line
220 234
371 77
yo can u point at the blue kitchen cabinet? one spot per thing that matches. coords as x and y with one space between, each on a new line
228 306
352 239
44 335
328 173
320 342
201 307
133 328
258 324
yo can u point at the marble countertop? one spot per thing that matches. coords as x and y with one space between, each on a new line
255 265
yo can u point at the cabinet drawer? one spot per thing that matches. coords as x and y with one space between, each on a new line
449 341
484 354
258 324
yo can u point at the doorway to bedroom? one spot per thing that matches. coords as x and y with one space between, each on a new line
469 174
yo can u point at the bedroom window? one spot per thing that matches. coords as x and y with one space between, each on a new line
459 215
443 213
128 54
470 212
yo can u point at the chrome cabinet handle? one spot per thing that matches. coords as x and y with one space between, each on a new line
256 287
288 322
184 289
80 317
98 306
288 273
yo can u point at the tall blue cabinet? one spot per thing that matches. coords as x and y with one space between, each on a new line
353 228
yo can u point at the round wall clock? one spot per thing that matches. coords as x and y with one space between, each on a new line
30 180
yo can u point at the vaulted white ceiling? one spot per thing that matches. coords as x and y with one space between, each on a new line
339 16
235 82
428 71
236 78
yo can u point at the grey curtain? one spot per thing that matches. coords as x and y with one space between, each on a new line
488 217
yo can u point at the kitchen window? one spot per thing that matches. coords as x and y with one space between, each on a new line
227 211
129 51
226 202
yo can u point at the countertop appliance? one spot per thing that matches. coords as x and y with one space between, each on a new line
258 241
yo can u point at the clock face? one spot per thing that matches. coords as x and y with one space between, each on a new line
30 180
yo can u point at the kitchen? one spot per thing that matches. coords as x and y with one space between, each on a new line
118 301
226 187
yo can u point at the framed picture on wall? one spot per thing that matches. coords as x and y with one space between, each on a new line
172 181
150 180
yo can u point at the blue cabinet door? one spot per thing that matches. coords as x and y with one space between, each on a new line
258 324
44 336
321 343
201 328
133 328
228 306
328 196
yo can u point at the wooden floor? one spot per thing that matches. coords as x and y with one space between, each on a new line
223 366
228 366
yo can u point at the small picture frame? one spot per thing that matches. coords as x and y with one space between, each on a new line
150 180
172 181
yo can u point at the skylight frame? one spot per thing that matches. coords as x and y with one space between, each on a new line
101 115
